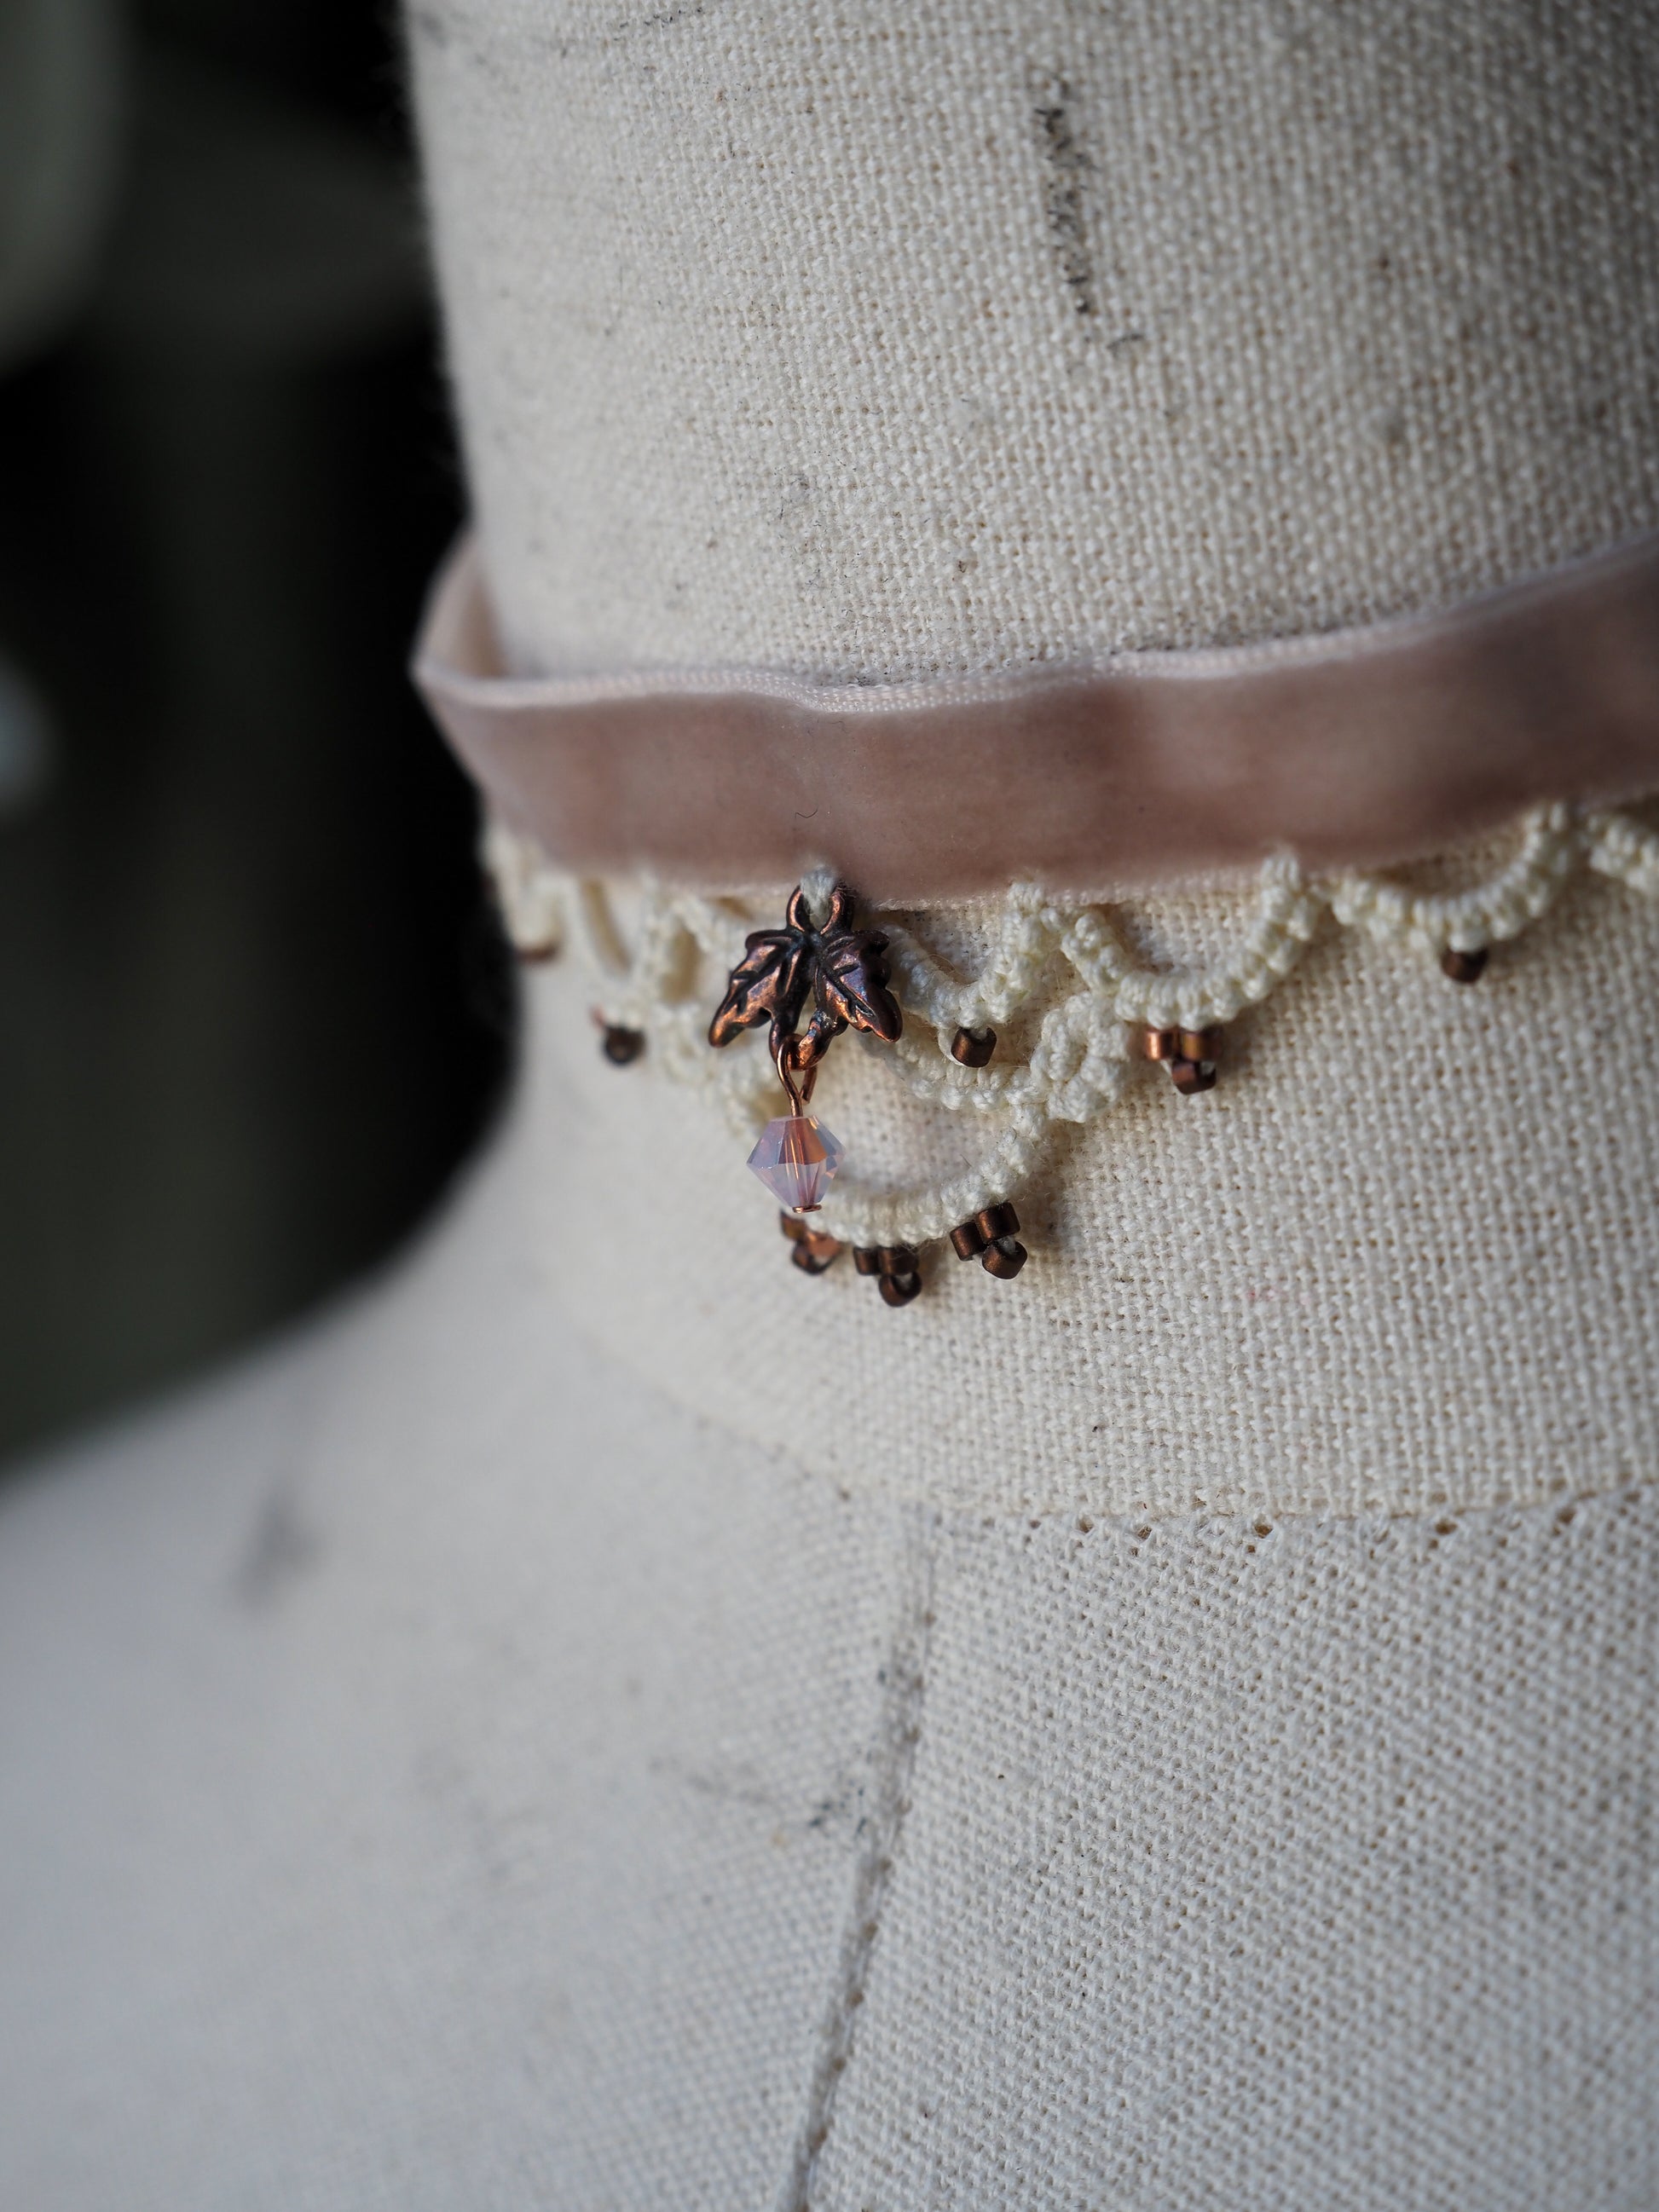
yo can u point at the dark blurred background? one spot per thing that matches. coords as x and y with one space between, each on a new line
253 1002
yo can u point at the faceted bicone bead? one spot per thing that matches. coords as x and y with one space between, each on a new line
796 1159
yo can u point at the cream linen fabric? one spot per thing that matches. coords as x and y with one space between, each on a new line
1401 1257
438 1770
867 340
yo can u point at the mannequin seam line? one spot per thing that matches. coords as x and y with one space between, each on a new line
1244 1507
898 1734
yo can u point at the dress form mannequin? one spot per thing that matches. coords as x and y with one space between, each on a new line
1177 1734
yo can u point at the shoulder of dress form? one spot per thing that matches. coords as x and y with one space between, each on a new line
194 1505
137 1539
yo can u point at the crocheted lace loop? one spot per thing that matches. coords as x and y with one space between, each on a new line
1066 963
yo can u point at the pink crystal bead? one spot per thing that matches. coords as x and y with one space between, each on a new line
796 1159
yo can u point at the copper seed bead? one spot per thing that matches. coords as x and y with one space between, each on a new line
812 1258
973 1048
1464 967
620 1045
532 954
1161 1044
1200 1044
998 1221
866 1260
814 1248
1005 1259
897 1259
969 1239
1192 1076
899 1290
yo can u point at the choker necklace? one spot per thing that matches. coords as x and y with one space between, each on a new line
1048 1028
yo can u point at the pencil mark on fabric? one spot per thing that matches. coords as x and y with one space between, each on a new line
1067 165
892 1760
281 1550
659 19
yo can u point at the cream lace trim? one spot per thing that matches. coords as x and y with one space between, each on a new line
665 981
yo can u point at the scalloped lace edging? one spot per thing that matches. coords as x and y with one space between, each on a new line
662 984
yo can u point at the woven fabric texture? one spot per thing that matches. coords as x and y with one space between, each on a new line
872 342
438 1770
1399 1258
1256 1868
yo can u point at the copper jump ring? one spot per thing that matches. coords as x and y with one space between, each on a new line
789 1061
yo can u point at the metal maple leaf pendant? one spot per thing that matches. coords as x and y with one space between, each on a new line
843 969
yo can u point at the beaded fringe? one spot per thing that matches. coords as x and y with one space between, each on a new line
656 993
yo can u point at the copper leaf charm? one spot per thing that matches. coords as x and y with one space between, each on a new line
849 981
844 968
769 984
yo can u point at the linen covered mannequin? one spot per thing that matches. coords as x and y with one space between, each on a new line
609 1721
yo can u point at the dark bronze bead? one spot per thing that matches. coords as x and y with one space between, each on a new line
1192 1076
998 1221
1005 1258
973 1048
814 1250
896 1259
1464 967
866 1260
814 1254
899 1290
620 1045
1161 1044
970 1240
532 954
1200 1044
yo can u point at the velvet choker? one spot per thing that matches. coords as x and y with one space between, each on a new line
1356 749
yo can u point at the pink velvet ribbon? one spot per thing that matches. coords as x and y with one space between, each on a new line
1356 749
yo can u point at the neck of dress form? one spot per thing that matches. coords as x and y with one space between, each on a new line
943 342
1350 1278
970 340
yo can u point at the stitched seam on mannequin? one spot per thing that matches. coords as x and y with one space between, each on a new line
1081 1061
899 1730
